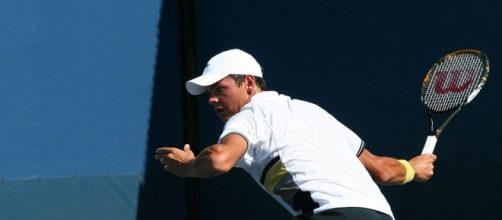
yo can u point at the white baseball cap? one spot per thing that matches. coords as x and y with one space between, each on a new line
228 62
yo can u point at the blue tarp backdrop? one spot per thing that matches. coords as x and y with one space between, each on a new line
89 89
76 82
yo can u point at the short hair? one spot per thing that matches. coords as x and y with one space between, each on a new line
260 82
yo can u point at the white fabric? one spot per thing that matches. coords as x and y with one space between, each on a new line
317 150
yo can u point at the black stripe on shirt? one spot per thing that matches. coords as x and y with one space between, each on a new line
267 168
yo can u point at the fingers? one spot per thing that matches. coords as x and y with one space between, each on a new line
170 155
428 172
175 160
169 162
186 147
164 150
174 167
167 150
431 157
424 158
162 156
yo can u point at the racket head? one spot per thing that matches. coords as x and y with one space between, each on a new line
454 80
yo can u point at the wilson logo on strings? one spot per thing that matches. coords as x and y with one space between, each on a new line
451 81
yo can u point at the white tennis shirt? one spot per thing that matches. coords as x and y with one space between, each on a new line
305 156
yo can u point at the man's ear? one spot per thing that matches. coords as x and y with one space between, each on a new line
250 84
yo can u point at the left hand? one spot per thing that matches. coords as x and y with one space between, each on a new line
176 161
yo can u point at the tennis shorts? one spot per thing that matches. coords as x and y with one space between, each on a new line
349 213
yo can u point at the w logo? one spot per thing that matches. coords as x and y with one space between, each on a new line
453 81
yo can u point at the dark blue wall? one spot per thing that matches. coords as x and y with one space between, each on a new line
364 62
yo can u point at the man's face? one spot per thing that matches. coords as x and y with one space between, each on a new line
227 98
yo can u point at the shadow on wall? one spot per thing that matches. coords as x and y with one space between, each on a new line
161 195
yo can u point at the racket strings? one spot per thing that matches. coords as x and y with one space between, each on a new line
467 63
451 82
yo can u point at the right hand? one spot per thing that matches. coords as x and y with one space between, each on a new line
424 166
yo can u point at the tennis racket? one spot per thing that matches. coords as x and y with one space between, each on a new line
450 84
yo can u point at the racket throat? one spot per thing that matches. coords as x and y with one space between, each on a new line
441 128
431 125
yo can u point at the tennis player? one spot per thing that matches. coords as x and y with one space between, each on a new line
308 161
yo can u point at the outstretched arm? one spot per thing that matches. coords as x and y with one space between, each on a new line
389 171
214 160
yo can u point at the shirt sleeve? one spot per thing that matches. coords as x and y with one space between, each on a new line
242 124
353 140
358 144
252 128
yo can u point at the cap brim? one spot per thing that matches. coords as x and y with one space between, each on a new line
198 85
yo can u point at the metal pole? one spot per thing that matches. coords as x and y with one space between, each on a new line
189 103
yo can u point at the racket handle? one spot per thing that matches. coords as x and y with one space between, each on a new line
430 143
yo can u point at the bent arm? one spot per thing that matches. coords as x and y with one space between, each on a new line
215 160
219 158
389 171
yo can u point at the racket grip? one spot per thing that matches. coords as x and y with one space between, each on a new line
430 143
